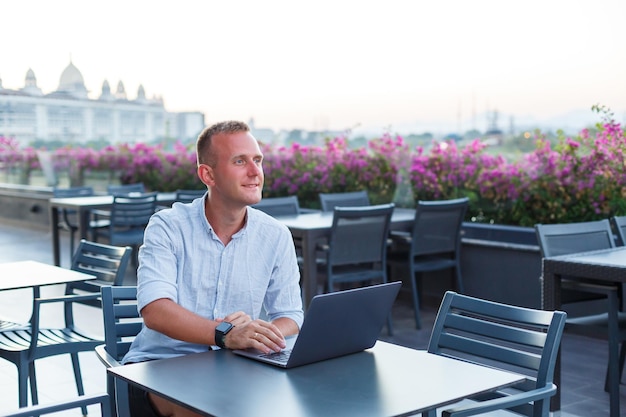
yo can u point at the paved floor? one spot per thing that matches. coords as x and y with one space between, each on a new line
584 360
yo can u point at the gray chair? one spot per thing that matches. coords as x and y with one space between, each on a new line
563 239
434 244
122 323
356 251
279 206
328 201
129 217
187 196
619 226
23 345
507 337
82 402
125 189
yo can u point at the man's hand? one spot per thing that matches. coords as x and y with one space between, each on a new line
257 334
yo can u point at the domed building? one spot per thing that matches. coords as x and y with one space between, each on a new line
70 115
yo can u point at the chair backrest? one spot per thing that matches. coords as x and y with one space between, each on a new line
359 235
566 238
437 227
187 196
279 206
619 224
81 401
132 211
517 339
72 192
126 189
328 201
108 263
122 321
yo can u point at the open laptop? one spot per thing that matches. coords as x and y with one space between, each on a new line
336 324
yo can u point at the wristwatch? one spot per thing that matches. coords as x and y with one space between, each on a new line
221 331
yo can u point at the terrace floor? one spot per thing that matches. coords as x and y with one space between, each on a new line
583 359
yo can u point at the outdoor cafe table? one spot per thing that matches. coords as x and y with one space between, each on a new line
608 265
387 380
309 228
84 206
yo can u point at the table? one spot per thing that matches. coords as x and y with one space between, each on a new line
387 380
608 265
84 206
309 228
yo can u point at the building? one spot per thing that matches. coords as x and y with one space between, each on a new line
70 116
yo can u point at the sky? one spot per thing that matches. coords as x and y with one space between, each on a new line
332 64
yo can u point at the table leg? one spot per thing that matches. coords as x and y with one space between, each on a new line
309 271
613 368
54 223
551 300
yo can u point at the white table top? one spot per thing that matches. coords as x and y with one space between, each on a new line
26 274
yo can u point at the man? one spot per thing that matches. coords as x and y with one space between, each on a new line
208 268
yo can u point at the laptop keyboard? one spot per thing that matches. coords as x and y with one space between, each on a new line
282 356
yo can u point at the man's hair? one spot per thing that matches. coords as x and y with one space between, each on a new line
203 144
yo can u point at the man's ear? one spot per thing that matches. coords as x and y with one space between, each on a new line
205 173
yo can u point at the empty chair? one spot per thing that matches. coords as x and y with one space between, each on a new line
125 189
619 225
328 201
567 238
357 247
102 399
279 206
511 338
187 196
69 220
128 220
434 244
24 345
122 323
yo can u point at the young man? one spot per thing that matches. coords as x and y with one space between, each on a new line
208 268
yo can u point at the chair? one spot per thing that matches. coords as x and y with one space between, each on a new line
122 323
357 247
511 338
187 196
68 220
434 244
83 401
126 189
23 345
566 238
328 201
128 220
619 226
279 206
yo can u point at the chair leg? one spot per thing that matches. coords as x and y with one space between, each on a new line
72 236
33 383
459 279
78 377
416 304
22 385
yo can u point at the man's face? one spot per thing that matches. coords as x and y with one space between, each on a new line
238 174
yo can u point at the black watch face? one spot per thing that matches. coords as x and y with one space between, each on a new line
223 327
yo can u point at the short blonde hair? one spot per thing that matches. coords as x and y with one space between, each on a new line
203 144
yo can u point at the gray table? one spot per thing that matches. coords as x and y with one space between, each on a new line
309 228
607 265
83 206
387 380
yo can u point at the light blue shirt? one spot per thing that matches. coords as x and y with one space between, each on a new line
183 259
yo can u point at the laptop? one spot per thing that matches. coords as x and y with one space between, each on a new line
336 324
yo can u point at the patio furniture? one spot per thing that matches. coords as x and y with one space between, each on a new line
122 323
610 323
82 402
500 336
619 225
279 206
125 189
328 201
187 196
356 251
434 244
23 346
130 215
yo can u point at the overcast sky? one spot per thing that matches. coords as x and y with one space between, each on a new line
330 64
